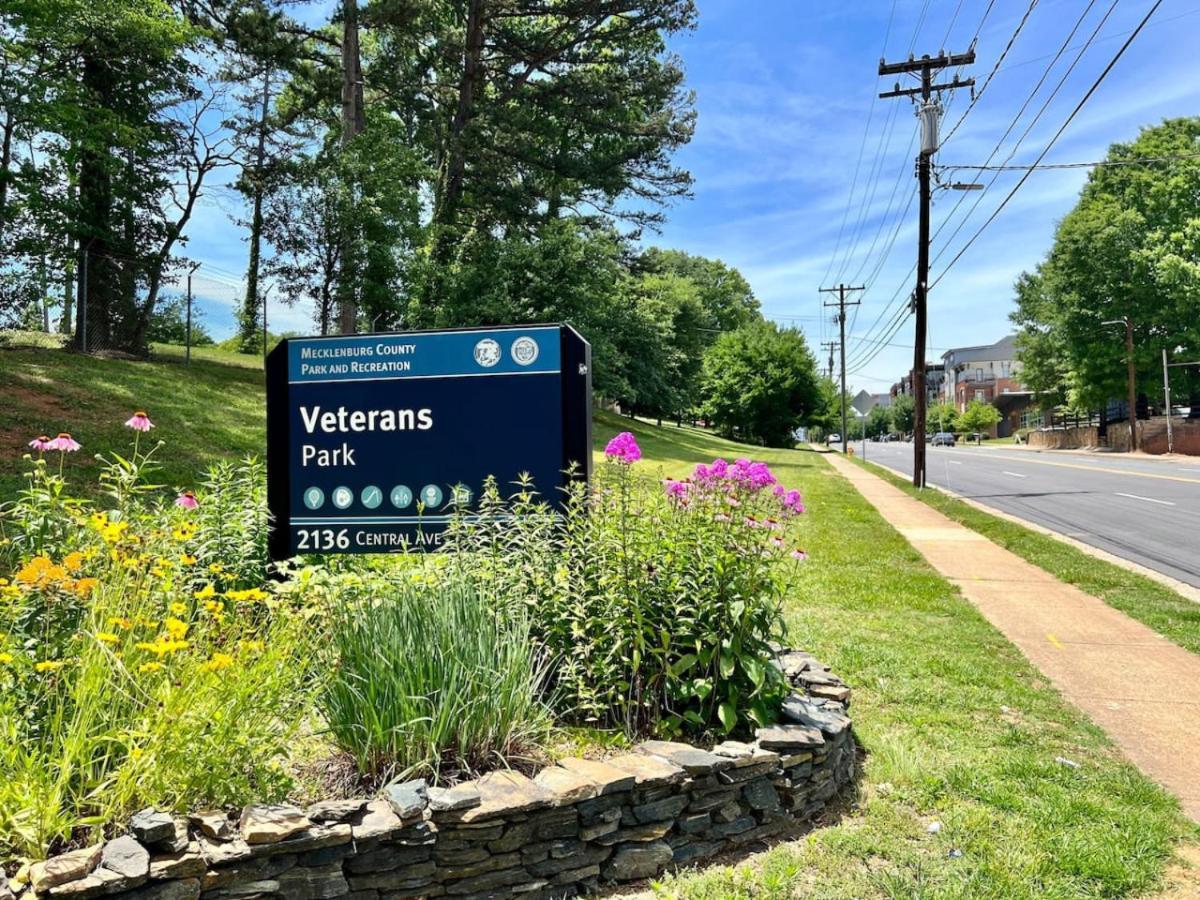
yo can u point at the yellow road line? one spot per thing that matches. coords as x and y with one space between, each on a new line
1055 641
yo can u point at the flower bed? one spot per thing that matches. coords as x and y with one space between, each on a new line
148 658
573 826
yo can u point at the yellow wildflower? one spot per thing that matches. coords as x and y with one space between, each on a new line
218 662
187 560
50 665
137 752
149 667
73 561
120 622
206 592
176 629
113 531
216 568
6 659
250 595
106 637
178 608
252 646
85 586
161 647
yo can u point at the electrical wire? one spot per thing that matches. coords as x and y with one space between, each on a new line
1083 101
1103 163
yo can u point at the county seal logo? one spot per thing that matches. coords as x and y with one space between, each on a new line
524 351
487 353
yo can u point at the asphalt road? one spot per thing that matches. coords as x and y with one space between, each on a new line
1142 510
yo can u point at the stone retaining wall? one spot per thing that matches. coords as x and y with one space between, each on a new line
574 826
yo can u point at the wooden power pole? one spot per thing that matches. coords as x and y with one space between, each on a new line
841 303
929 112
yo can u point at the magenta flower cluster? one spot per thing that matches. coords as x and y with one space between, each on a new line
623 448
740 483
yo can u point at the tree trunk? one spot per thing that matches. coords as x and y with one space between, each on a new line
93 225
353 124
454 164
251 304
5 159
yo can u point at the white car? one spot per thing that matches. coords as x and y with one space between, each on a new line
834 439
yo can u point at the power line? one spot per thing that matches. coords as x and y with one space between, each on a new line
978 95
1037 117
1095 85
1103 163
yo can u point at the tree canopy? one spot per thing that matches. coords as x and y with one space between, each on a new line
1129 249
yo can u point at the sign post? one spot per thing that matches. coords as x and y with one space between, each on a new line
374 441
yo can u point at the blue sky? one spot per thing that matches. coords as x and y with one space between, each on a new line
784 91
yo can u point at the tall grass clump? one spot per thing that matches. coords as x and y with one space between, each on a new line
427 676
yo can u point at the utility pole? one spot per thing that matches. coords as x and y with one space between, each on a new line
841 305
187 349
830 346
929 112
1130 377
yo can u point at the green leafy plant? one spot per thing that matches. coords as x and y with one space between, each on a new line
426 676
658 604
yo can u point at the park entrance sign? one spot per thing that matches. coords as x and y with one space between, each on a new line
374 441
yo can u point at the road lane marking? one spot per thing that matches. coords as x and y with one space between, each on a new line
1016 474
1147 499
1055 641
954 462
1063 465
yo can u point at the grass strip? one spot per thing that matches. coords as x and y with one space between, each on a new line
1155 605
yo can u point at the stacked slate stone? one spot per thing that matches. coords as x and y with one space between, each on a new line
574 826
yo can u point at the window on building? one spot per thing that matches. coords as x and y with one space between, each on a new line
981 395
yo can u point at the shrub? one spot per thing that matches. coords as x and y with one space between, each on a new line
426 675
132 670
658 603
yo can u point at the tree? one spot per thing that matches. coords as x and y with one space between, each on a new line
978 417
903 411
725 295
878 421
1127 249
760 383
943 416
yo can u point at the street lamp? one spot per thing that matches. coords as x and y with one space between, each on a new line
1128 323
1167 366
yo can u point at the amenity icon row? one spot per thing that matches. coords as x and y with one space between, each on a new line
371 496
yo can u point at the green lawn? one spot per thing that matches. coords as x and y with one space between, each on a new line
957 728
1170 614
206 411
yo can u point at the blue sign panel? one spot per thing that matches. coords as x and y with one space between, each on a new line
374 441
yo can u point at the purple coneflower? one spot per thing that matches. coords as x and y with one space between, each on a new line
139 421
187 500
42 443
798 554
64 443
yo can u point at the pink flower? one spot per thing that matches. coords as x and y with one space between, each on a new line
677 490
750 522
139 422
776 542
623 448
187 500
65 443
791 502
720 517
774 524
798 554
42 444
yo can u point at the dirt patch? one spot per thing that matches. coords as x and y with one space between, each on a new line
1182 879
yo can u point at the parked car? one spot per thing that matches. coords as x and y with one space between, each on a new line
834 439
944 439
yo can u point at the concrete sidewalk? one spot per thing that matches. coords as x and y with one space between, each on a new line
1136 685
